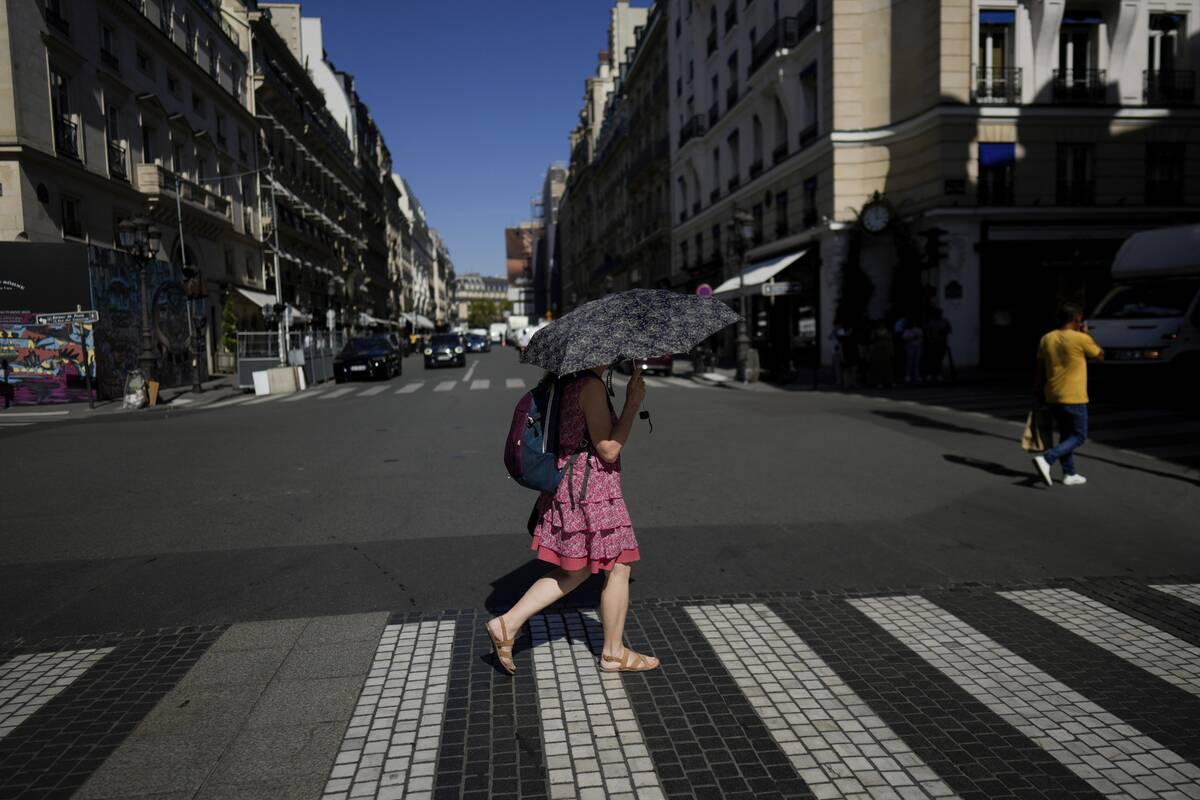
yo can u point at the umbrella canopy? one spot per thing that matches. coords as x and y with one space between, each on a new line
639 323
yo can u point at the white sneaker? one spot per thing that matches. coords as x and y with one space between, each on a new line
1043 468
1074 480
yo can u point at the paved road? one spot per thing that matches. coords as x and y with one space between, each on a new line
275 598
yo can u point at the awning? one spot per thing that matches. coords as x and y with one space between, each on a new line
370 321
260 299
756 274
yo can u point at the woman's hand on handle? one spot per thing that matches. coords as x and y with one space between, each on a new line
635 392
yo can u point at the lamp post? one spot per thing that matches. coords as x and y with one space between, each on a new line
743 230
141 239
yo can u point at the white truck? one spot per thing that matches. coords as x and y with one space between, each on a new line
515 324
1150 319
497 331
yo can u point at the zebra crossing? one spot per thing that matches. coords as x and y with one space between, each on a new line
17 420
921 695
1149 433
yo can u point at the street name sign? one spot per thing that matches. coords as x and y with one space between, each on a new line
782 287
67 317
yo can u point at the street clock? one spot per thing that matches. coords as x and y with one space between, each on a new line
876 216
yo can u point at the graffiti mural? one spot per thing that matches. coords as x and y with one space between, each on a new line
116 293
46 363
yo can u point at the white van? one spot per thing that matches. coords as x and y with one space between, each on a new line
497 332
1152 314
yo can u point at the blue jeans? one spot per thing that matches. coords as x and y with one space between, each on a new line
1072 422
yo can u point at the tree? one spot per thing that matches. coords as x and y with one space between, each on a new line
229 325
482 313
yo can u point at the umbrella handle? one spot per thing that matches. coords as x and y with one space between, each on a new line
643 414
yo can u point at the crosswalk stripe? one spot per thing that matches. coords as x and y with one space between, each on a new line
7 413
682 383
833 739
307 393
445 386
1184 591
514 383
482 383
235 401
268 398
390 748
15 424
655 383
593 742
345 390
410 387
1069 727
1157 652
30 681
182 401
374 390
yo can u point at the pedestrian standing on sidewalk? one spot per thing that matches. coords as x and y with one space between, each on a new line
5 389
1061 379
584 527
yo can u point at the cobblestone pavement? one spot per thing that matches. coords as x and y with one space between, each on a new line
1069 689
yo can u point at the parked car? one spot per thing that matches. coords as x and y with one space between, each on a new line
445 349
663 365
478 344
367 357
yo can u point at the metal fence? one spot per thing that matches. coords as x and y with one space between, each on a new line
314 351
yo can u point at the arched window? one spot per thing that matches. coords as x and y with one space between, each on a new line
781 131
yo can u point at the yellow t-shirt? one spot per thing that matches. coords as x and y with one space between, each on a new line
1063 356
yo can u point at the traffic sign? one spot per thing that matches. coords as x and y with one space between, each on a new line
704 290
68 316
781 287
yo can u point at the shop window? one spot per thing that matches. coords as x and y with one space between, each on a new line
1076 183
1165 170
996 163
71 225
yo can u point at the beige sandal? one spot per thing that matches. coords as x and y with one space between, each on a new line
639 662
502 648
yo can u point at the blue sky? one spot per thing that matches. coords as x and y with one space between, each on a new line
474 97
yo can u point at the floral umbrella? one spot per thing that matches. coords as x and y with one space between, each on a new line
639 323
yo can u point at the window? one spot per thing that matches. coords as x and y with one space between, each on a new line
682 182
220 124
166 17
757 213
1075 174
211 52
228 262
996 80
108 47
1078 77
118 164
66 131
996 162
716 242
144 62
149 144
1166 81
808 97
716 174
756 147
683 254
735 160
242 145
251 273
781 215
177 158
202 169
197 103
70 218
699 242
810 202
781 133
1165 169
189 36
173 85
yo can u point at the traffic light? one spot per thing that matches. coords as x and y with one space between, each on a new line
935 246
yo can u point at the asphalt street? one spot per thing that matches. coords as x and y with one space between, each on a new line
392 497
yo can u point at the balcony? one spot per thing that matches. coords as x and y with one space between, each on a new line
714 114
999 86
712 41
209 212
735 182
55 20
1086 86
66 137
714 195
691 129
731 96
1075 192
784 34
756 168
1169 87
779 154
808 135
118 161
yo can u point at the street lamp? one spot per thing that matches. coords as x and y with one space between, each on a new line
743 224
141 240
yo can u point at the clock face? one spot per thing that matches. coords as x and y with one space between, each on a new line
876 217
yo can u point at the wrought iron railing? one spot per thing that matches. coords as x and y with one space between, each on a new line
1167 87
1080 85
66 137
691 129
998 85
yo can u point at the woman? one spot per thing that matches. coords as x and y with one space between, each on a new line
584 526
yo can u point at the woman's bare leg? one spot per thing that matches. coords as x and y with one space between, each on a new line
546 590
614 606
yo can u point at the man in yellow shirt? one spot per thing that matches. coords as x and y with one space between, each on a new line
1061 380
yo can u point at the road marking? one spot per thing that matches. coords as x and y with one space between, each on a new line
15 424
295 396
182 401
514 383
833 739
655 383
390 748
445 386
682 383
1189 592
1143 645
470 372
345 390
34 413
268 398
30 681
235 401
1061 721
410 388
482 383
593 742
374 390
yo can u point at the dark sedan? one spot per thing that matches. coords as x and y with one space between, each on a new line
368 357
478 344
445 349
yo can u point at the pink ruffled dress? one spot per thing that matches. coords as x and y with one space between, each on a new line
595 531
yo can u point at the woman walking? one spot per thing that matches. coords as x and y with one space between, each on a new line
584 527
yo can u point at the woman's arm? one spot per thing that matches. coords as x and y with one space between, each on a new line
607 438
